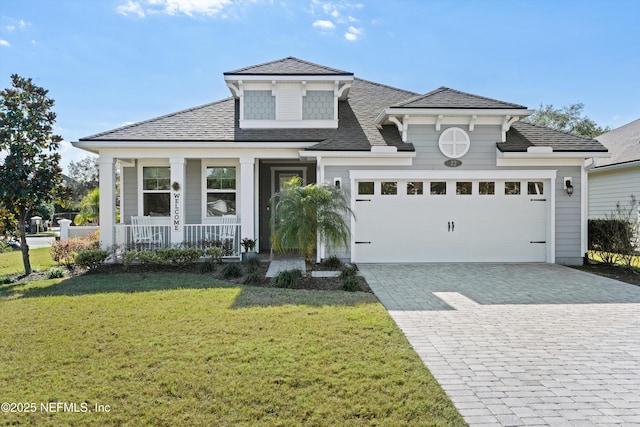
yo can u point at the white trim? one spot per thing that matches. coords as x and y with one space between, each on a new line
584 209
452 174
96 146
454 143
293 167
288 124
556 154
364 155
632 164
534 162
453 112
310 78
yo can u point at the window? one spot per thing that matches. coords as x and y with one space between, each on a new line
156 191
438 188
454 143
511 188
463 188
365 187
486 188
535 187
221 191
389 188
414 188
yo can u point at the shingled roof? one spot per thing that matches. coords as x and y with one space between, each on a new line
523 135
289 66
218 123
444 97
623 143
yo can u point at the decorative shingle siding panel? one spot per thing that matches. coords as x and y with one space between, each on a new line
317 105
259 105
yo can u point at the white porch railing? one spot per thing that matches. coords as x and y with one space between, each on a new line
131 237
226 236
202 236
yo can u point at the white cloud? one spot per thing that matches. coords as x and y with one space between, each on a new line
352 34
131 8
324 25
10 28
4 43
176 7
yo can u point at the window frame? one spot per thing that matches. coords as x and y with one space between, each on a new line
152 163
217 163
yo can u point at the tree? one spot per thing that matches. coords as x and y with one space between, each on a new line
90 210
84 175
567 119
30 173
302 214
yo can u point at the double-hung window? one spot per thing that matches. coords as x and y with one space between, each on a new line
156 190
221 190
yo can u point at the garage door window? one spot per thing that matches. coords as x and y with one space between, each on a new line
414 188
365 188
486 188
463 188
511 188
536 187
438 188
389 188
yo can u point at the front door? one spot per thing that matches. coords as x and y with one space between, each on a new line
273 175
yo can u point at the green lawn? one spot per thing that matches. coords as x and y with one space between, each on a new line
184 349
11 262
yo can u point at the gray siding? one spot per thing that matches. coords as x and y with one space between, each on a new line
482 156
609 187
130 193
193 192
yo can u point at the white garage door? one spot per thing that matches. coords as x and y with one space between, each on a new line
451 220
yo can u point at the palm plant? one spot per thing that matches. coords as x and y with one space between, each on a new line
90 210
303 214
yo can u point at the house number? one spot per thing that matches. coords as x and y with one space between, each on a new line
453 163
176 211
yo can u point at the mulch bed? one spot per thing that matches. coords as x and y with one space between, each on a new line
306 282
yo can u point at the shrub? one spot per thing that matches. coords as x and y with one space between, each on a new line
287 278
5 247
64 251
129 257
91 258
55 273
178 256
333 262
253 278
231 270
6 280
215 252
351 284
207 266
348 271
253 264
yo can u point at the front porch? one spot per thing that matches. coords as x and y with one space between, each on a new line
184 199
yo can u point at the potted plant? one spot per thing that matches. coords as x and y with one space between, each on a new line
249 246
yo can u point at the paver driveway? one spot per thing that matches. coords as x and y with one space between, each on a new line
523 344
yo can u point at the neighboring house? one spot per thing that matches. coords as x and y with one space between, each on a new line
442 176
617 178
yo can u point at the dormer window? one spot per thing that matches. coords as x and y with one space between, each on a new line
289 104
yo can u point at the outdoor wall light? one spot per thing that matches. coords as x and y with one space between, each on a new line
337 182
568 185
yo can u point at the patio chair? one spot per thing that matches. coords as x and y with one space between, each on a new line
144 233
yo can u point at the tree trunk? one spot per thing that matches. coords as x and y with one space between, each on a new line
23 244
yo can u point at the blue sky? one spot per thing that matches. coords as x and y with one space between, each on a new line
112 62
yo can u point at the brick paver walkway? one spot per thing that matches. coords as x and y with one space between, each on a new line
530 344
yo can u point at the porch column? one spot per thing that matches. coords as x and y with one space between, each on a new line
177 199
107 201
247 198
